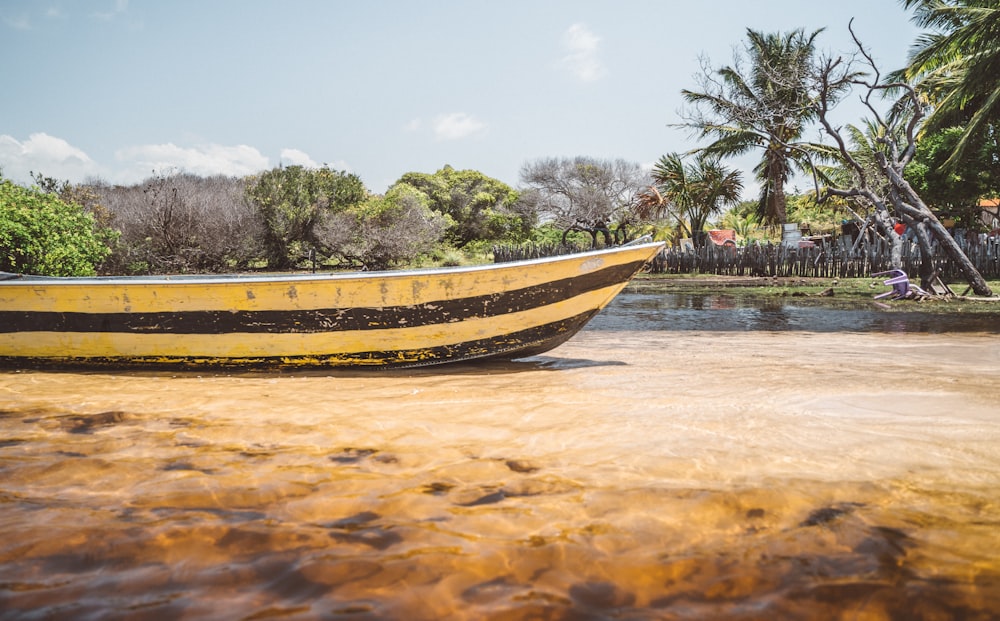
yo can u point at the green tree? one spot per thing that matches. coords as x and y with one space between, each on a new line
289 201
808 212
696 191
957 67
955 191
381 231
480 208
764 106
42 234
742 218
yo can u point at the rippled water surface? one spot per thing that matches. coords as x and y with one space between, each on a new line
643 470
729 312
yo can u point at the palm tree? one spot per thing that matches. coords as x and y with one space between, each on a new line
695 191
764 106
957 66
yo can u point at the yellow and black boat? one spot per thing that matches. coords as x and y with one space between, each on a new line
370 319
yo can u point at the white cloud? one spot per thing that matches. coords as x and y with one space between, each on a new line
45 154
339 165
456 125
56 158
295 157
413 125
204 160
18 22
120 7
581 59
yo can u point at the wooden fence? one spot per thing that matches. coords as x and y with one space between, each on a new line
836 258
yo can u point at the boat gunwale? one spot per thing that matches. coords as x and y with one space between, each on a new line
172 279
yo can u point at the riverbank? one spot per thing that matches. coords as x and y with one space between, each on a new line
833 292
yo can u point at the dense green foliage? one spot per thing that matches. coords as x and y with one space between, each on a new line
382 231
955 191
817 218
957 66
697 190
42 234
290 201
480 209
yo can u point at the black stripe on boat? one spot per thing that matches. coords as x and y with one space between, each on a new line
319 320
519 344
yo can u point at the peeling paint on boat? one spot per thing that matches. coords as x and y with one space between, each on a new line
380 319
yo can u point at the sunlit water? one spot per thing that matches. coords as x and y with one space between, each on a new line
637 472
735 312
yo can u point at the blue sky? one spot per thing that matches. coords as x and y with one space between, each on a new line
118 89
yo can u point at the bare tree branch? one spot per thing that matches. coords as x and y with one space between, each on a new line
891 148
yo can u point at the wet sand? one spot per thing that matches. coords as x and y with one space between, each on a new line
628 474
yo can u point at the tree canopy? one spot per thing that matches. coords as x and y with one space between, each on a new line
381 231
480 208
760 102
290 200
42 234
956 65
696 190
955 190
584 193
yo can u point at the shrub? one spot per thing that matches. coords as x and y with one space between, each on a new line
383 230
291 201
42 234
180 223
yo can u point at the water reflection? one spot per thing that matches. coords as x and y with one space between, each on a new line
636 472
731 312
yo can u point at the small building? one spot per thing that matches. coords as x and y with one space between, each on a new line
721 237
989 212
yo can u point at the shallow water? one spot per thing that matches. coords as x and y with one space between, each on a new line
730 312
638 471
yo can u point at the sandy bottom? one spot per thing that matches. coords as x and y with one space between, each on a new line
627 475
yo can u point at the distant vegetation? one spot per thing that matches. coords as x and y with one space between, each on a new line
928 154
42 233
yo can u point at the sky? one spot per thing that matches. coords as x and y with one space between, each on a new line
120 90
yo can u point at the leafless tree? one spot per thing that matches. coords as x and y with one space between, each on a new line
876 172
585 194
179 223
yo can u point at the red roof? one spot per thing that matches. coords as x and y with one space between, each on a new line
721 237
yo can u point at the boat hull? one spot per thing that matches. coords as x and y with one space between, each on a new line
386 319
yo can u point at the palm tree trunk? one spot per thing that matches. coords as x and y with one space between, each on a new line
780 208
